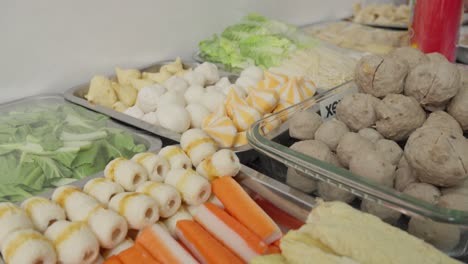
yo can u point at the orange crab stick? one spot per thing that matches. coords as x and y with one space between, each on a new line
205 247
163 247
136 254
239 204
230 232
113 260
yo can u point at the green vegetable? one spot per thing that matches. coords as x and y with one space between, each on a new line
42 147
256 40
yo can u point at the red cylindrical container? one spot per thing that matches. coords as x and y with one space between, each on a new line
435 25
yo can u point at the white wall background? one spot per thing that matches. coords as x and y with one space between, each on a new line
51 45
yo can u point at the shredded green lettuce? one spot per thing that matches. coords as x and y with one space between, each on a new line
42 147
256 40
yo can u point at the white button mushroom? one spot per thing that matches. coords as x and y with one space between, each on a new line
330 133
177 84
134 111
423 191
398 116
148 96
253 72
304 124
357 111
209 71
195 78
197 113
213 100
173 117
151 117
171 97
194 94
223 83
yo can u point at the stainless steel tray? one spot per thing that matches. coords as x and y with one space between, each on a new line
76 96
289 200
153 144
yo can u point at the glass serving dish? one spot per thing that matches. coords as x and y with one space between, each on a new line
277 157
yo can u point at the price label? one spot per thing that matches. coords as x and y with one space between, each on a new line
328 106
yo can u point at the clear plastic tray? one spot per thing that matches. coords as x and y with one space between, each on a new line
278 156
151 143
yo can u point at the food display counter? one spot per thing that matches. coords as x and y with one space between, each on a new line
334 142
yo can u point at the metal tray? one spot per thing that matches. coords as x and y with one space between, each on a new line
277 156
153 144
462 50
76 96
288 200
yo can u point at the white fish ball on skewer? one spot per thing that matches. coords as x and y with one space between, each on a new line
198 145
176 157
12 218
77 204
43 212
28 246
223 163
127 243
140 210
167 196
156 165
127 173
171 222
194 188
74 242
102 189
109 227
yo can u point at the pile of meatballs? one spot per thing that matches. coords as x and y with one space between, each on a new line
404 129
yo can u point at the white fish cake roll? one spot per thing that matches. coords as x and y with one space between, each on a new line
74 242
125 172
171 222
102 189
156 165
198 145
43 212
77 204
140 210
109 227
12 218
28 246
167 197
176 157
223 163
127 243
194 188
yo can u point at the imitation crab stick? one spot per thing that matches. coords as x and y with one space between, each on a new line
136 254
204 246
113 260
239 204
162 246
230 232
281 217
